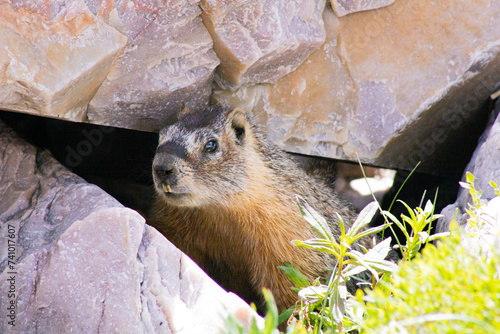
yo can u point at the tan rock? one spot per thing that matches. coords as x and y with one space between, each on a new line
52 62
344 7
261 41
394 85
168 61
307 110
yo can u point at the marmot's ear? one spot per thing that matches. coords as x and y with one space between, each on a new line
172 118
239 124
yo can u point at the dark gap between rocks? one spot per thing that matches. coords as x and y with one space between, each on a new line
119 161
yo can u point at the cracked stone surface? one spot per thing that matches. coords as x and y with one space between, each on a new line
260 41
169 60
80 262
485 166
53 62
121 63
396 86
344 7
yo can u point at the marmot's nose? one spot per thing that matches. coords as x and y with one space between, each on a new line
166 173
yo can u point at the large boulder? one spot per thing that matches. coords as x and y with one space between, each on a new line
260 41
169 61
395 86
134 61
53 61
73 259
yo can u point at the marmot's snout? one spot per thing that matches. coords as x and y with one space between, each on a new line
166 172
165 165
171 176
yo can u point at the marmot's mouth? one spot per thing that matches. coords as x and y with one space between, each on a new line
173 195
166 188
176 195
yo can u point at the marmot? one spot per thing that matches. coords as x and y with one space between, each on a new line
227 198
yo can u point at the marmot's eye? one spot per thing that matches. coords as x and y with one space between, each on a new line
211 146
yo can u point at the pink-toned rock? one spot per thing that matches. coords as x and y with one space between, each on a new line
394 86
168 61
91 282
53 61
191 302
74 260
344 7
309 109
260 41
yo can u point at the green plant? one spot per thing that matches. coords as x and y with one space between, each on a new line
327 307
444 289
481 225
420 221
474 208
495 188
447 288
234 326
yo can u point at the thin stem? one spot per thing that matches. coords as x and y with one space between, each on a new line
401 188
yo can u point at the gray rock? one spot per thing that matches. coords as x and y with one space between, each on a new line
260 41
72 259
485 166
168 61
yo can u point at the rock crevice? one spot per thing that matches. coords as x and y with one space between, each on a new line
84 263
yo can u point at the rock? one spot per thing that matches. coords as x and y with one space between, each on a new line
66 57
168 61
53 62
298 108
384 88
190 294
344 7
482 239
485 166
72 259
87 281
261 41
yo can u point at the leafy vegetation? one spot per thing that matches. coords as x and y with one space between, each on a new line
474 208
324 307
420 221
438 289
444 289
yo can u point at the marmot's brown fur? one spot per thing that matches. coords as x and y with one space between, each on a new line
226 197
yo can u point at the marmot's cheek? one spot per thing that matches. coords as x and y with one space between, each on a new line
203 196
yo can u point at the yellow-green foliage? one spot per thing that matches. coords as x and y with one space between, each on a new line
443 289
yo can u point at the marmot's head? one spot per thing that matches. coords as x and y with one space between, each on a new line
203 157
